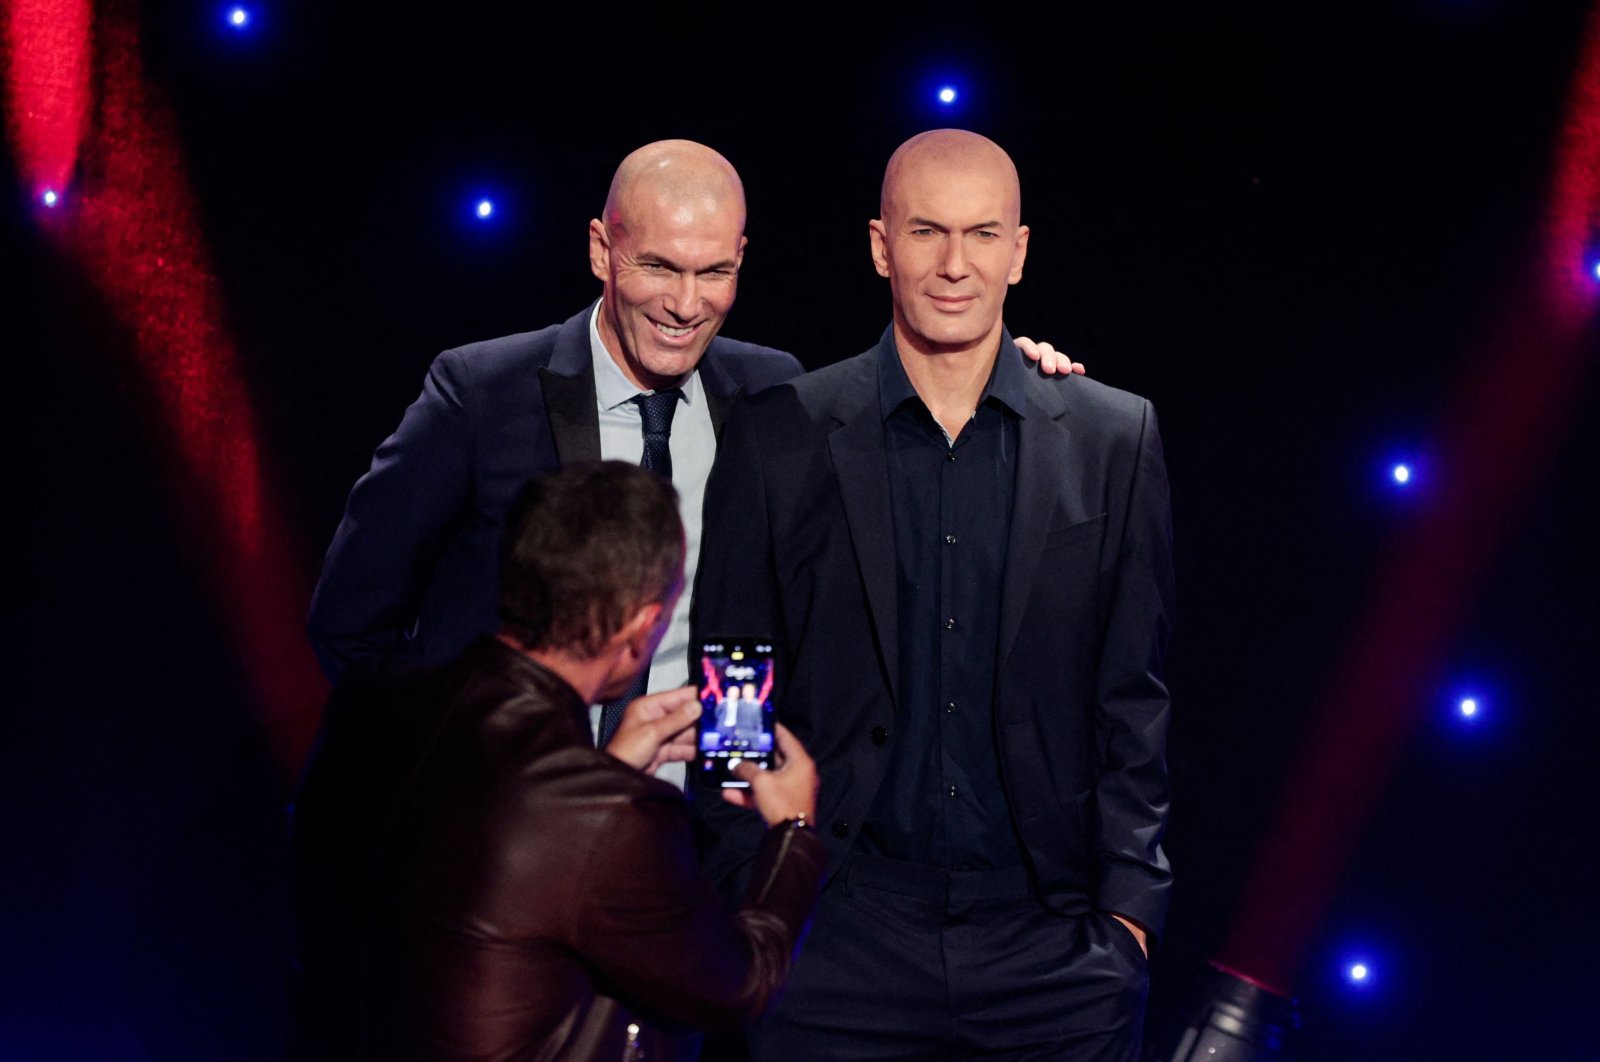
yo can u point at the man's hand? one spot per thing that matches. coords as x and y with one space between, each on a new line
657 729
1138 934
1051 360
784 792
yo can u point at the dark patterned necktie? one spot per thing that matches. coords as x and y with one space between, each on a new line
655 416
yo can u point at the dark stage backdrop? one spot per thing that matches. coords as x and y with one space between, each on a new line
1292 226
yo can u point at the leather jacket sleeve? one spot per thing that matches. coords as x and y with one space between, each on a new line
652 924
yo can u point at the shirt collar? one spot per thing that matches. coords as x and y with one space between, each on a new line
1008 382
611 388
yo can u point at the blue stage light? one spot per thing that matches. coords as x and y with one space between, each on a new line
1401 474
238 17
1468 707
948 95
49 198
1596 269
485 209
1358 973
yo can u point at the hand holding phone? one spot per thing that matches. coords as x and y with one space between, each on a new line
782 793
657 729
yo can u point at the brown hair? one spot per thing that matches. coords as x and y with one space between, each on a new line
586 547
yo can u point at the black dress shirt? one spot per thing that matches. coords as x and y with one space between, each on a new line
941 803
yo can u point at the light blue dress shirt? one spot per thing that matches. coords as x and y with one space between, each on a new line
694 447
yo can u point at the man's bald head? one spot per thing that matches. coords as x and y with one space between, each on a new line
674 175
667 251
956 154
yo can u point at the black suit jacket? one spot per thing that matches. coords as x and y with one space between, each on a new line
799 545
413 571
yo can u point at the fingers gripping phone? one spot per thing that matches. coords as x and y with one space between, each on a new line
735 709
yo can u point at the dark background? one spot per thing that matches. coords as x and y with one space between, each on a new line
1286 224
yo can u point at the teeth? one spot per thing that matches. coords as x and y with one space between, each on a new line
675 333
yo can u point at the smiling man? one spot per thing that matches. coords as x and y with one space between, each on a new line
966 569
412 574
667 253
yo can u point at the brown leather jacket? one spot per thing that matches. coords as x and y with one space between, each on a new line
473 879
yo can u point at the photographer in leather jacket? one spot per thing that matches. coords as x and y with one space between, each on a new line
474 879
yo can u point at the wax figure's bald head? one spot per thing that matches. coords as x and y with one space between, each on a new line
955 155
950 240
667 250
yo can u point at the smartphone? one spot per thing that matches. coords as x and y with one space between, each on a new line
735 676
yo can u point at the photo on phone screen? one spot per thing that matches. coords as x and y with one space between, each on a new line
735 708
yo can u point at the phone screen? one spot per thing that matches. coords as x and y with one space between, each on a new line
735 709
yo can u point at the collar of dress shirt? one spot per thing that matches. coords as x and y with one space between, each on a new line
611 388
1008 380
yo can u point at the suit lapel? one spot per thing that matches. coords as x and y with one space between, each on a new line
718 405
1044 464
862 470
720 389
570 406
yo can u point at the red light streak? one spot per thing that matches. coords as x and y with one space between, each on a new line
1505 419
129 225
47 86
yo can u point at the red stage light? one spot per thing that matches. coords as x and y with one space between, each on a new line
1496 431
47 87
132 230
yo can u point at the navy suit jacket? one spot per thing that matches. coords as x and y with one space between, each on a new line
413 572
799 545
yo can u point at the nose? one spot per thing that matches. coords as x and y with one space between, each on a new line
953 263
685 295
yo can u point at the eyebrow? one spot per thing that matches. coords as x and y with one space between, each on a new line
931 224
651 256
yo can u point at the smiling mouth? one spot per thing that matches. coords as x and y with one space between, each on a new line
671 332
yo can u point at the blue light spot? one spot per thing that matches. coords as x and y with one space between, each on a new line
1358 973
1401 474
947 95
1468 707
49 198
485 209
1596 269
238 18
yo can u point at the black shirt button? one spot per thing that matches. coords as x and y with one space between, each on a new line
950 624
951 454
950 706
880 736
952 791
841 829
950 539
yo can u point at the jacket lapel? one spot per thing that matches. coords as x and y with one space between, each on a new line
720 389
1044 464
570 405
718 405
862 470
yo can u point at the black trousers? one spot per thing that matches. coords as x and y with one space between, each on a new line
912 962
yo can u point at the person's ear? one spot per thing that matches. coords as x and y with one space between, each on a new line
879 236
599 250
640 629
1019 254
